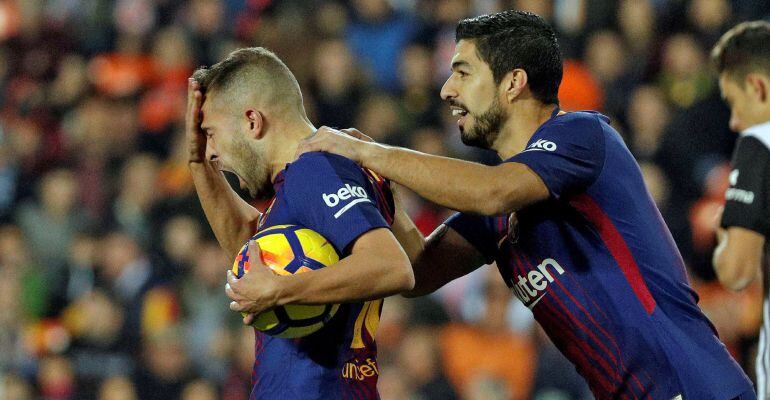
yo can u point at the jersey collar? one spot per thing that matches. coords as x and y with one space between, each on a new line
763 128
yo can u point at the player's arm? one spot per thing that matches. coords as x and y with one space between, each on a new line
445 257
407 234
231 218
377 267
460 185
745 220
738 257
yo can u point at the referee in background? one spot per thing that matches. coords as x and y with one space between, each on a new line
742 58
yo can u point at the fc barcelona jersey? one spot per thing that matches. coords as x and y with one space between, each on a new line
600 271
338 199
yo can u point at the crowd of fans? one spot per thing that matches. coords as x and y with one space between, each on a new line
111 284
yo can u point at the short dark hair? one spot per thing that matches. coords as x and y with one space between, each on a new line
253 68
743 49
517 39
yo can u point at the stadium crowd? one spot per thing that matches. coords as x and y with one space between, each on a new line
111 283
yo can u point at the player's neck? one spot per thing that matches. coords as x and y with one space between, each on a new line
286 150
524 119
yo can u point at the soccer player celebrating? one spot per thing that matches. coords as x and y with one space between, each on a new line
566 216
742 57
245 115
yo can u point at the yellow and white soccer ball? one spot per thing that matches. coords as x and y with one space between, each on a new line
289 250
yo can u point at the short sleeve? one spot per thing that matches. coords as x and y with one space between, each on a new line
481 231
747 201
567 155
331 195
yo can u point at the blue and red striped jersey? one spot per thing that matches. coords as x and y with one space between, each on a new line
338 199
601 273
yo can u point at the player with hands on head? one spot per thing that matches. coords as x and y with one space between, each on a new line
245 115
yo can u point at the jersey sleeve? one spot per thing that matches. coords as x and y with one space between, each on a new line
568 156
331 195
747 201
481 231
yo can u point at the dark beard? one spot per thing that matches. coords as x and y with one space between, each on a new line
252 168
486 127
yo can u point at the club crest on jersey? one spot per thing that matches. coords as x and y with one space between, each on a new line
512 231
531 287
348 192
542 145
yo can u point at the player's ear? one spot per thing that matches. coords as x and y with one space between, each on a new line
514 83
256 123
756 86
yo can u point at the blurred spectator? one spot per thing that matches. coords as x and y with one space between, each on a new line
579 90
636 19
648 115
34 283
56 379
709 18
165 370
684 78
100 344
480 355
50 223
334 85
128 275
117 388
379 117
686 162
607 59
377 35
79 276
14 388
180 241
199 390
423 370
207 325
136 196
419 99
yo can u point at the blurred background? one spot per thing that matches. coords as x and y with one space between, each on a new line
111 285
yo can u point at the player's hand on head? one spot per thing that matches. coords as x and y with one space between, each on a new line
196 138
256 291
347 144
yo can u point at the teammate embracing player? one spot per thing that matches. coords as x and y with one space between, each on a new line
566 216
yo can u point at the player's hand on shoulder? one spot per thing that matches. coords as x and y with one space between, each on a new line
349 143
357 134
196 138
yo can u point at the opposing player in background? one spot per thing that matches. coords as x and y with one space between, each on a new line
245 115
566 216
742 58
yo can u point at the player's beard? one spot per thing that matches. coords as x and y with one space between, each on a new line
251 166
486 127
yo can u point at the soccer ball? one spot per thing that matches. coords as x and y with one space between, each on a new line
288 250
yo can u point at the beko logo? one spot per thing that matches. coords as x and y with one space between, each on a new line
542 145
357 193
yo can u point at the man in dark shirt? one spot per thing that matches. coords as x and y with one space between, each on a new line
742 57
